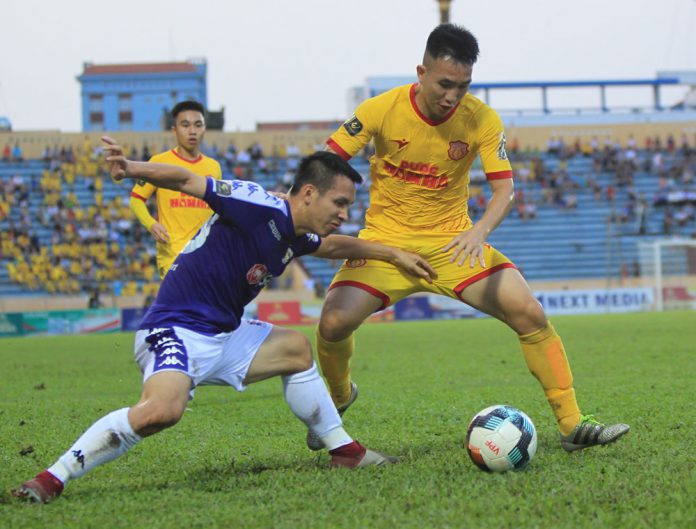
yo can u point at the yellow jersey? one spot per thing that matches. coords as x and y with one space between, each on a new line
420 170
181 214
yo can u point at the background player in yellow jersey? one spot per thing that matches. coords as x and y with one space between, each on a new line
426 137
179 215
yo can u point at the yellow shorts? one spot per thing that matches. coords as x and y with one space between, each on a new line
390 284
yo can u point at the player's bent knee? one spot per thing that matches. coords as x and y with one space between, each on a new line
303 353
151 417
529 317
297 352
535 314
336 325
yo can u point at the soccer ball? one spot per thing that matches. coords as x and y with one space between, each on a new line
501 438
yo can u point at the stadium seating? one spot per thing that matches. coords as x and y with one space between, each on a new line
586 237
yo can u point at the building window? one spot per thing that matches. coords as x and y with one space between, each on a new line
96 102
125 102
125 116
96 117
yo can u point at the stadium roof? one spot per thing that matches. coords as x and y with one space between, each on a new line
157 67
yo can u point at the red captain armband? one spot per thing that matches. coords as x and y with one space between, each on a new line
335 147
499 175
136 195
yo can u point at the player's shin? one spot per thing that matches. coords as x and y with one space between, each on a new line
334 358
545 356
108 438
309 400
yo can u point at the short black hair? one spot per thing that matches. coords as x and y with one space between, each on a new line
181 106
450 40
320 169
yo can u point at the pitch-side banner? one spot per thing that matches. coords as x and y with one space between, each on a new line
596 301
60 322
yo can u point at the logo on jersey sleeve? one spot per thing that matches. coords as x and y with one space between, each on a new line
502 153
224 189
355 263
457 150
353 126
257 274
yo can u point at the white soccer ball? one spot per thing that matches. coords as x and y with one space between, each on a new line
501 438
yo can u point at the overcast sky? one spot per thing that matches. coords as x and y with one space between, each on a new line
286 60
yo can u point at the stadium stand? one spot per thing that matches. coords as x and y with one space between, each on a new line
580 210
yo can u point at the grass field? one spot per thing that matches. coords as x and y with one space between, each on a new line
239 460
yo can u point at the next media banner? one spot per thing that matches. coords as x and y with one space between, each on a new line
596 301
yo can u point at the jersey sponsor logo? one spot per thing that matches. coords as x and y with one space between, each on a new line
140 182
224 189
257 274
457 150
288 255
186 201
353 126
502 153
312 237
419 173
274 229
401 143
355 263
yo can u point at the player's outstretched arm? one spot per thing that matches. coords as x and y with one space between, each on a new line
159 174
345 247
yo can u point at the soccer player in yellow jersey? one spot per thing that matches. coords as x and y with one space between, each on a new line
179 215
426 137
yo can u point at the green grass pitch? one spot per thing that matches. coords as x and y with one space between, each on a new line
239 460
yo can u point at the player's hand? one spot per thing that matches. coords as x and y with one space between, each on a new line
414 264
159 232
467 245
116 162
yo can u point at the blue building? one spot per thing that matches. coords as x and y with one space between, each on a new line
136 97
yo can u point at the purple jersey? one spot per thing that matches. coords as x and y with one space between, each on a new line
249 240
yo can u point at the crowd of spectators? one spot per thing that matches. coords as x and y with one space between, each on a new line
54 242
545 181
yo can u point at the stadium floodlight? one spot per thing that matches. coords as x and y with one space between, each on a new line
444 10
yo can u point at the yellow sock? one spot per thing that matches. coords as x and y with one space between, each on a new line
334 359
546 359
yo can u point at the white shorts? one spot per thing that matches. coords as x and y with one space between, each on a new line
220 360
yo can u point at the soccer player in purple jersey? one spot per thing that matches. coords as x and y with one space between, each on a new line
194 333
